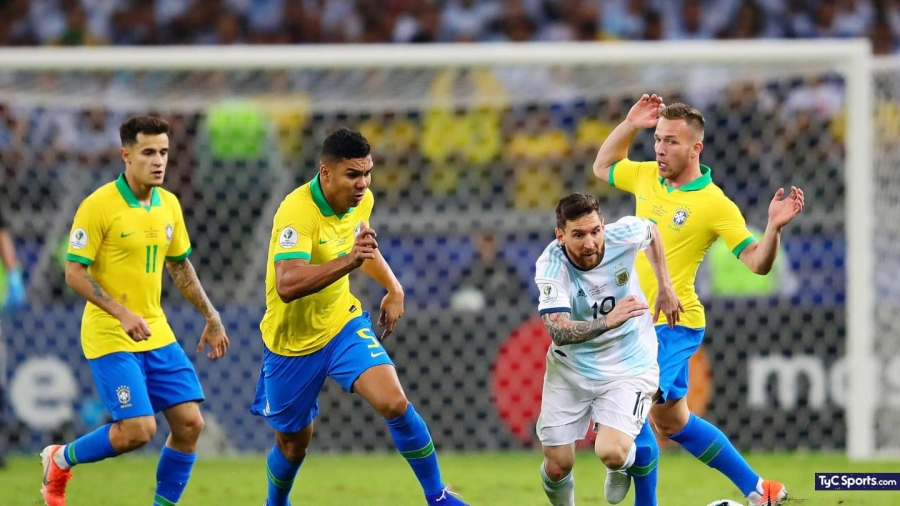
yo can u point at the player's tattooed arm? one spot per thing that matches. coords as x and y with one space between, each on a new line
185 278
97 289
80 280
563 330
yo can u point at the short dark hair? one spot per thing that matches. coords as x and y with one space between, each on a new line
148 125
574 206
345 144
690 115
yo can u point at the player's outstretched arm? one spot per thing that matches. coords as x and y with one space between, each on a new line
78 278
296 278
760 256
392 303
643 114
564 330
185 278
667 301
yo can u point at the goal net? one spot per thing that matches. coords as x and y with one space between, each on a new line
473 146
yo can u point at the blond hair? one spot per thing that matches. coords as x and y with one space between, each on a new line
690 115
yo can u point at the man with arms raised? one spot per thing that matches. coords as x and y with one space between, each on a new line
677 192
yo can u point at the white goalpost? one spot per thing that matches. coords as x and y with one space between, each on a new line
362 81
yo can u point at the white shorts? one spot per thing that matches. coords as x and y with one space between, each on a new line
570 401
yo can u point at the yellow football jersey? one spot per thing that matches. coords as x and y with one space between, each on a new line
125 246
305 226
689 219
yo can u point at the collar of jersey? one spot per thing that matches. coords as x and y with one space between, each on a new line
131 199
698 184
319 198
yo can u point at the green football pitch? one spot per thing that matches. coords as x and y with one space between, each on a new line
484 479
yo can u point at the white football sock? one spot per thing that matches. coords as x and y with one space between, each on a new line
560 493
60 458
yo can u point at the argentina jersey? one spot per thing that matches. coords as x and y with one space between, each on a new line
625 351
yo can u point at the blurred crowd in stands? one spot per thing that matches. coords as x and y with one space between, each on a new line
142 22
530 139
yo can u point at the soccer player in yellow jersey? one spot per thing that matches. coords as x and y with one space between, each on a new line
314 327
122 236
678 194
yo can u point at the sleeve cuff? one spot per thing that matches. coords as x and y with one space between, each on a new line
294 255
612 169
82 260
180 257
548 310
742 246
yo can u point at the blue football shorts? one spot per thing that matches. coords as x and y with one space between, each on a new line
676 347
144 383
287 393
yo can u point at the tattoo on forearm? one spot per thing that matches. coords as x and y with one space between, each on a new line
563 330
98 290
185 278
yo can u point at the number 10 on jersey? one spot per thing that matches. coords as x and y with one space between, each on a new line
603 307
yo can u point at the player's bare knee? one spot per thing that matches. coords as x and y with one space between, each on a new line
667 424
134 433
295 453
558 470
293 450
190 428
612 457
394 407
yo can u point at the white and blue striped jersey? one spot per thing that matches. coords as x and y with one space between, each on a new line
622 352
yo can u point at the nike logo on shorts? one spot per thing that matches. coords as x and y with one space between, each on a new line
376 354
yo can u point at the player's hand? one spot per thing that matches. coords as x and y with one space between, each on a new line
626 309
135 326
781 212
645 113
667 303
364 246
391 311
214 336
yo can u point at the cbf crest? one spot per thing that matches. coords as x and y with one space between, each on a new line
123 394
621 277
169 231
681 216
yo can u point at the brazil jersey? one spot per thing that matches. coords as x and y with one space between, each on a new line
306 227
125 245
689 219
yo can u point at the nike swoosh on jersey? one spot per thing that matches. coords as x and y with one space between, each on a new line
323 242
124 235
641 197
376 354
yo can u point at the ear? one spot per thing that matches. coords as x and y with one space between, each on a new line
324 173
698 147
126 156
560 235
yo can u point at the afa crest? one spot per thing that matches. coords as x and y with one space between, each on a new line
621 277
123 393
681 216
